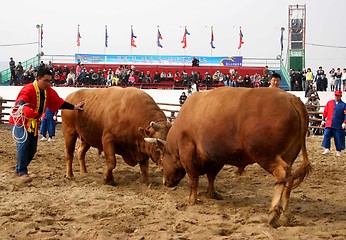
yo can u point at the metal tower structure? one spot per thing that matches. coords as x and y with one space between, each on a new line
296 36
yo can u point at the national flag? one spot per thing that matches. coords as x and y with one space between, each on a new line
106 37
78 37
212 38
159 37
133 44
240 38
184 38
41 36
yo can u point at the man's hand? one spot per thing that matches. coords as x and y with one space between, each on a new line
323 123
343 126
79 106
54 118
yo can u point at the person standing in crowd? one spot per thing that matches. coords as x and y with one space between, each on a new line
332 79
338 75
195 62
334 120
319 77
275 80
19 73
31 103
48 123
12 64
343 80
324 83
182 98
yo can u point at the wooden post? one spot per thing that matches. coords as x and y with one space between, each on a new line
1 110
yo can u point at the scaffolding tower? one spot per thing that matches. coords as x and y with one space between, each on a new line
296 36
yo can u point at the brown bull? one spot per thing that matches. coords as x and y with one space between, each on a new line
239 127
114 120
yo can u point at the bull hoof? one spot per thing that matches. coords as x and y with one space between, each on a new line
109 181
273 219
215 195
69 177
284 220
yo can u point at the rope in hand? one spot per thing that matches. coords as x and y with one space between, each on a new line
17 115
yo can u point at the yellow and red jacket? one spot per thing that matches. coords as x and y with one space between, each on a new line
30 94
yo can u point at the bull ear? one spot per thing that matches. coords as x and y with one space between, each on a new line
156 126
143 132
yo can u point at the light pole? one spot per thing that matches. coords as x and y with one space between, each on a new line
39 29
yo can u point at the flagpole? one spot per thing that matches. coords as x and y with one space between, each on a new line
185 47
211 46
131 42
78 44
157 48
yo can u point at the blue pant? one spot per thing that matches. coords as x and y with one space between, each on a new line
47 124
25 150
339 138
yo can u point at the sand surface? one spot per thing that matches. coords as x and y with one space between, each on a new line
54 207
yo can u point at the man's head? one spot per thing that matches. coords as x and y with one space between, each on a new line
338 95
44 77
275 80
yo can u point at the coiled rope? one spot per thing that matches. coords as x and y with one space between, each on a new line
18 116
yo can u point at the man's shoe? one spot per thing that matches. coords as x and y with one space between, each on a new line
338 153
327 151
43 139
25 178
14 175
49 139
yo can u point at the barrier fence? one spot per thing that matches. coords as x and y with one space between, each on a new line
171 110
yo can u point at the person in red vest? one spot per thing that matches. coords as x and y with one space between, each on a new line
31 103
334 120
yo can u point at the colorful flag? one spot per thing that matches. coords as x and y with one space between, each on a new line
212 38
106 37
240 38
78 37
41 35
159 36
133 44
184 38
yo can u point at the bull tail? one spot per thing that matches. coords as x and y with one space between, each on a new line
305 168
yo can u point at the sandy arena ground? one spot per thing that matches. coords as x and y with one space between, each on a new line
53 207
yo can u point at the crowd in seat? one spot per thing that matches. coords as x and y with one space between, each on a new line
125 75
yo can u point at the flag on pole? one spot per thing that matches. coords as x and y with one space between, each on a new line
159 37
184 38
133 44
212 38
106 37
78 37
41 35
240 38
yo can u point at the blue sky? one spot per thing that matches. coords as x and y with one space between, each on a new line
261 22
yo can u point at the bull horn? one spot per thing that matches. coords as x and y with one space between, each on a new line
150 140
161 141
156 126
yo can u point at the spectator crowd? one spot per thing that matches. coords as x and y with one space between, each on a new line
124 75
